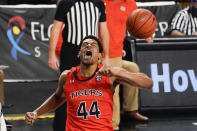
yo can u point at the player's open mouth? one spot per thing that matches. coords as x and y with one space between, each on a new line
88 54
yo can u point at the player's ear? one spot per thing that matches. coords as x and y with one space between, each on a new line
100 58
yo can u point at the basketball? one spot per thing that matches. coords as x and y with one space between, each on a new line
141 23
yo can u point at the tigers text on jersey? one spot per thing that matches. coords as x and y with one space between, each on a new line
89 102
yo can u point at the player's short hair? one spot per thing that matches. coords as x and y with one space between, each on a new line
94 38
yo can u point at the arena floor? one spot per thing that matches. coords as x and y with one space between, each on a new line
156 123
27 96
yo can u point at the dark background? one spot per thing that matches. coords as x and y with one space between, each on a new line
184 3
13 2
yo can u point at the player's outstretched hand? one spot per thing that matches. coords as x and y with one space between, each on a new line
30 117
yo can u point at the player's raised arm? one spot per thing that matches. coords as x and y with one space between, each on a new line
54 101
120 75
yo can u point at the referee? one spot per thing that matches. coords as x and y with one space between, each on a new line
185 21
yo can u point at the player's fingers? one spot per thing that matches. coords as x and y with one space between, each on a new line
29 122
101 71
30 118
104 71
107 71
28 115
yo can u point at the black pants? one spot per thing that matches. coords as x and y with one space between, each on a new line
68 60
59 121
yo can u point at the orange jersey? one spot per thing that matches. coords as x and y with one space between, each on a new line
116 15
89 102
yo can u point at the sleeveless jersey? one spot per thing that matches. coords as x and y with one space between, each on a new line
89 102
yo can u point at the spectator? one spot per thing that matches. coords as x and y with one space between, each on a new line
117 12
185 21
81 18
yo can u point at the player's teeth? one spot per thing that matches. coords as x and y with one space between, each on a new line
87 57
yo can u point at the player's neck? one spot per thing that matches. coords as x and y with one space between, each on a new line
87 71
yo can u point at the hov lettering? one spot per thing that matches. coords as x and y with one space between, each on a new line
180 79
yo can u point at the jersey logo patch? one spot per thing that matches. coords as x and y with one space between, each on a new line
122 8
98 78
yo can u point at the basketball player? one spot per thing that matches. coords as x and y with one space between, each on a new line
88 90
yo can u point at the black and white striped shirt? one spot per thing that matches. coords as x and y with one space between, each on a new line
184 22
81 18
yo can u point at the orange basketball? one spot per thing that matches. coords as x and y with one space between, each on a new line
141 23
